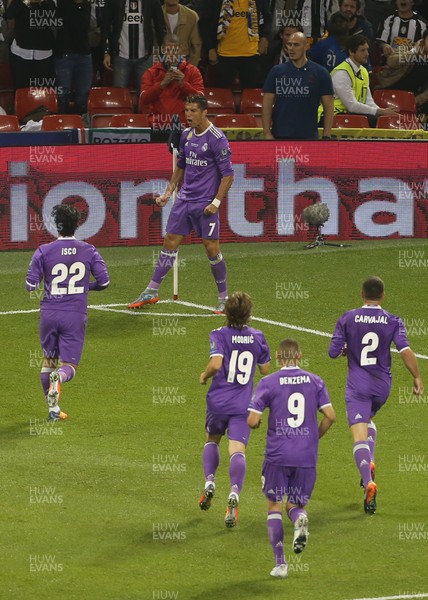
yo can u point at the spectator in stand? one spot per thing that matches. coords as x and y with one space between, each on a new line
314 16
73 60
183 22
357 23
407 69
127 31
351 83
95 39
331 50
376 11
278 50
32 48
292 93
236 33
4 36
403 28
166 85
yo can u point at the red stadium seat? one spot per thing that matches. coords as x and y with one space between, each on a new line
61 122
129 121
220 101
101 120
109 101
9 123
28 99
355 121
235 121
401 100
402 121
252 101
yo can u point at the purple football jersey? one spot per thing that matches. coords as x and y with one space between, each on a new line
242 349
206 159
368 332
294 397
65 266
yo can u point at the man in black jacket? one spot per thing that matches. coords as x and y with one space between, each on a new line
73 60
127 31
235 33
32 48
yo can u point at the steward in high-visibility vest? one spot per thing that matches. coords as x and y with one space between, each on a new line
360 85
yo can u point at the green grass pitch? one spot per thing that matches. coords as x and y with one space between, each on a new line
104 506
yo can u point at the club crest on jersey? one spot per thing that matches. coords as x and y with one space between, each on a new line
189 135
204 147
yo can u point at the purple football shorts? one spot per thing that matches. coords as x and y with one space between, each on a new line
296 483
361 409
189 216
62 334
236 425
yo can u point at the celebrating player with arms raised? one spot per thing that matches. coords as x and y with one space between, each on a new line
203 176
235 350
65 266
294 397
365 335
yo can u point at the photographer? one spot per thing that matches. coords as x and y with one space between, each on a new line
166 85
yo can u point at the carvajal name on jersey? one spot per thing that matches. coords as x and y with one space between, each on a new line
371 319
294 380
242 339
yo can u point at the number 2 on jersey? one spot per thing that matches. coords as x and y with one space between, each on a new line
77 272
370 342
242 362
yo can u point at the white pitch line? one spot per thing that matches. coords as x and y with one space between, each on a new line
109 307
285 325
138 313
395 597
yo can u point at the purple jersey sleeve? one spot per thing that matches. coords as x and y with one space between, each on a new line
338 340
260 399
222 155
400 336
181 158
216 344
35 271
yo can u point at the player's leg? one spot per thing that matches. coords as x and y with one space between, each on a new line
362 459
71 340
238 433
301 483
49 340
165 262
215 426
273 485
218 270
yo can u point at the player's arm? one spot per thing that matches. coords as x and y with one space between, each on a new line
338 341
254 419
175 182
35 272
329 417
212 368
328 106
267 108
264 369
223 188
411 363
100 272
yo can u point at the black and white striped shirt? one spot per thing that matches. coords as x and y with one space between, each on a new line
402 32
131 39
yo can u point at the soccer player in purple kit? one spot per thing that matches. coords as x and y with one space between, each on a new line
294 397
65 266
235 350
365 335
203 176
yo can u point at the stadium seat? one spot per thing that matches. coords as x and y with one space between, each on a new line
399 99
235 121
403 121
129 121
28 99
251 101
355 121
220 101
9 123
61 122
101 120
109 101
